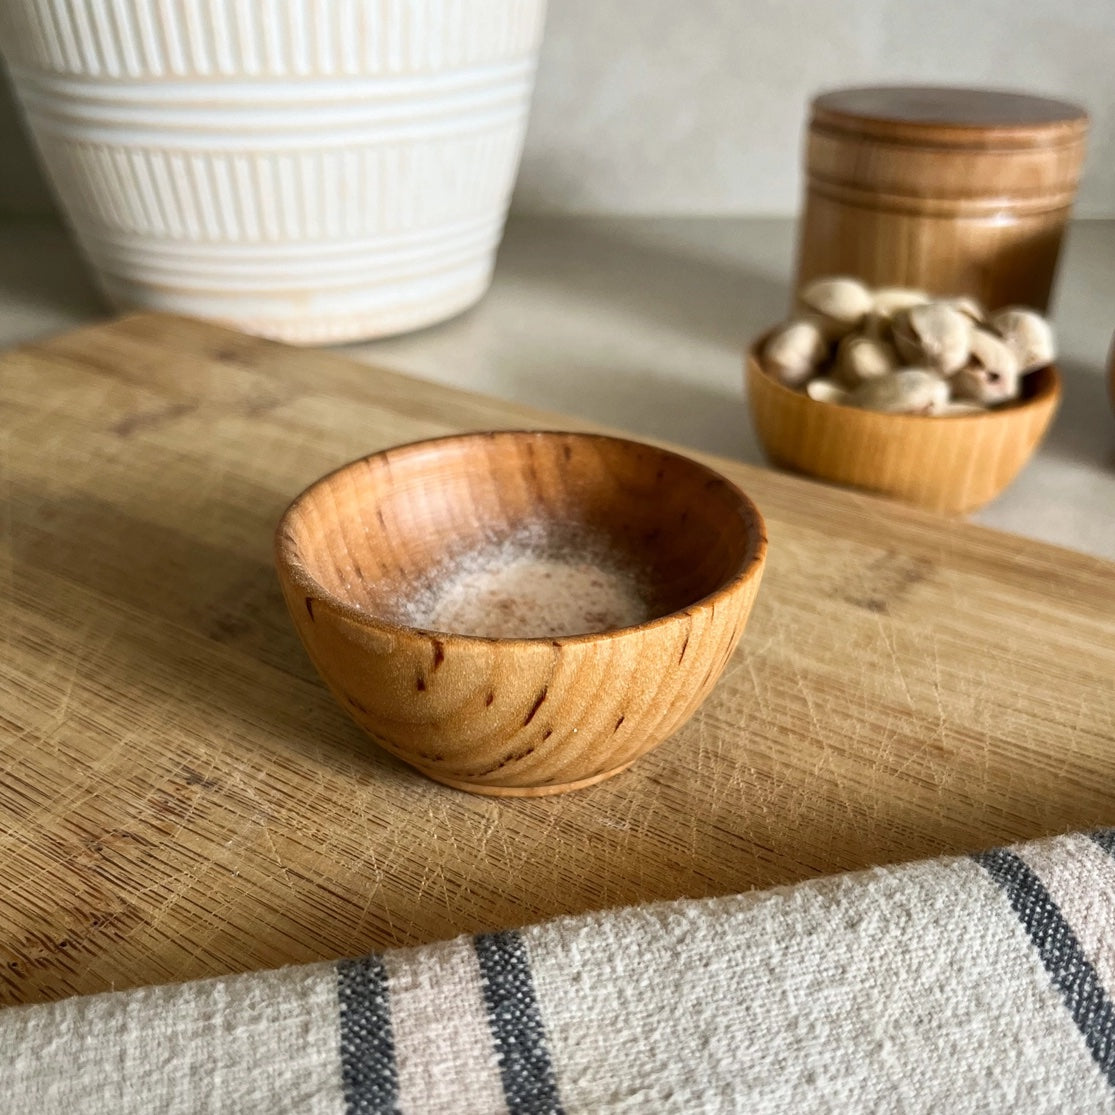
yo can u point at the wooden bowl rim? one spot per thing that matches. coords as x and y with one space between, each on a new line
750 568
1047 393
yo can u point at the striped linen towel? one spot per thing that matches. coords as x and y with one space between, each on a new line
955 985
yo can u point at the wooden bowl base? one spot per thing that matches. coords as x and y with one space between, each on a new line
527 791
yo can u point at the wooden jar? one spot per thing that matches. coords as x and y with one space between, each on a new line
953 191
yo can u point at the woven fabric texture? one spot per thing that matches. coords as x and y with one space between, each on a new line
965 985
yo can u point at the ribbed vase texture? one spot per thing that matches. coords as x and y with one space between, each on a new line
310 170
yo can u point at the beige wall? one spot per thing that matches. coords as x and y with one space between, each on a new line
696 106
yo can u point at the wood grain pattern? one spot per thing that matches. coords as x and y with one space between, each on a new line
952 465
948 190
520 717
180 796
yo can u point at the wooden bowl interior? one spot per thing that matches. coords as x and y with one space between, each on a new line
379 531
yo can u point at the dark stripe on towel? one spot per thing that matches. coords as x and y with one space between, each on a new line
1105 838
1069 969
516 1024
371 1083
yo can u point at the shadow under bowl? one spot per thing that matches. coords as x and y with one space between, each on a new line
952 464
364 553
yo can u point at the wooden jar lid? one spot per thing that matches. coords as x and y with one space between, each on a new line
946 150
946 114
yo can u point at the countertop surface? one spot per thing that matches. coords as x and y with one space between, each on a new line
641 322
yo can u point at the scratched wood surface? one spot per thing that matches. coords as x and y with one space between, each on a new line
180 797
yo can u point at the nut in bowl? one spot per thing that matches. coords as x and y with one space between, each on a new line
521 613
931 401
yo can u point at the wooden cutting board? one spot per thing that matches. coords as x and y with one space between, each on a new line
180 796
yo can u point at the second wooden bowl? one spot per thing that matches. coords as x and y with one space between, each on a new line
952 465
525 716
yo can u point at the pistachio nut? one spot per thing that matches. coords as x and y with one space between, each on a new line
993 353
840 303
934 335
1028 334
861 358
985 385
909 391
826 390
893 299
794 351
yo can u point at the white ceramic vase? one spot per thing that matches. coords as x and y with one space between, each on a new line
311 170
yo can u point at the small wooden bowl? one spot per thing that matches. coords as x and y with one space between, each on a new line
519 716
951 465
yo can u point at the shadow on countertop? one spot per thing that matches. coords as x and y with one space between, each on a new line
45 286
1084 428
687 273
